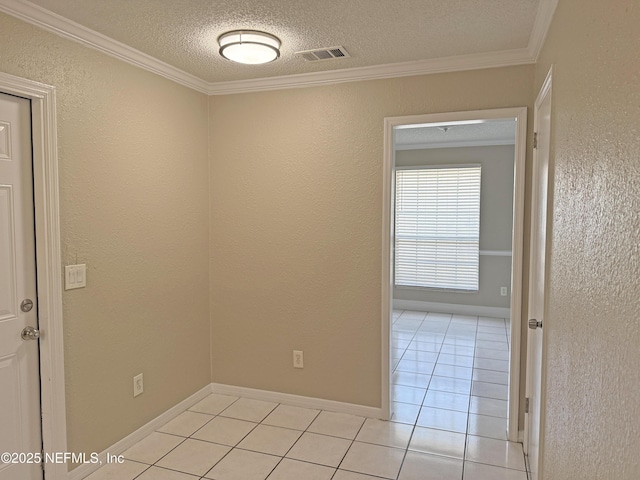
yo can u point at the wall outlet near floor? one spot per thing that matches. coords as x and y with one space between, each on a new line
138 385
503 291
298 359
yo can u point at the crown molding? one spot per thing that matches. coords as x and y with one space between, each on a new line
505 58
59 25
541 25
36 15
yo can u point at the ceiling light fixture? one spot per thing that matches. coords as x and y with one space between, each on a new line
249 46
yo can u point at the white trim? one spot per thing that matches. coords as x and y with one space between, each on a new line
70 30
517 248
455 144
122 445
49 272
515 313
297 400
496 253
453 117
59 25
66 28
388 249
393 70
541 26
545 90
457 309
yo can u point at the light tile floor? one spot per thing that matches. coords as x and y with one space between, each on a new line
450 401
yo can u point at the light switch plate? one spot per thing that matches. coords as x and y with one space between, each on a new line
75 276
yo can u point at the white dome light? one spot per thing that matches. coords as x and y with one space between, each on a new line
249 46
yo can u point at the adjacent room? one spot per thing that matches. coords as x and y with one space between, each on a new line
454 210
325 240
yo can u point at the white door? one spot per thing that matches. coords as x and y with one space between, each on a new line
20 427
539 207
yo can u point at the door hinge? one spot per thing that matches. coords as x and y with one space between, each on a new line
526 405
535 139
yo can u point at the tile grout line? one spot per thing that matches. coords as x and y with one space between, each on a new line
184 439
413 428
350 445
415 424
231 447
294 444
433 371
240 441
466 436
395 368
281 458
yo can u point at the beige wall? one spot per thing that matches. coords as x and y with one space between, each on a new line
134 208
295 183
592 323
296 215
295 209
496 221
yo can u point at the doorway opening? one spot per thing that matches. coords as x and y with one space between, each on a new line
453 223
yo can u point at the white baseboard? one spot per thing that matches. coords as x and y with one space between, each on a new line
297 400
128 441
421 306
265 395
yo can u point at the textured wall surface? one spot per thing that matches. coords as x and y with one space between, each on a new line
496 220
296 215
593 318
134 208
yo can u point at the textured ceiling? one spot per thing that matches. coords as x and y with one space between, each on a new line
491 132
183 33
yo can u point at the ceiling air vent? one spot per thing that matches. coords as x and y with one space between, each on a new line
324 54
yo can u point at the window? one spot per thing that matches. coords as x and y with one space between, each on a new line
437 231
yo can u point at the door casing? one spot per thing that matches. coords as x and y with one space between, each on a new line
48 260
520 115
545 93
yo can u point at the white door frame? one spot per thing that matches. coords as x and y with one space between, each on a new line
48 258
520 115
545 90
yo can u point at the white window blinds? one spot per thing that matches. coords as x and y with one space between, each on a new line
437 231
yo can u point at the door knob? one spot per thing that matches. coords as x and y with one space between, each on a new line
30 333
533 324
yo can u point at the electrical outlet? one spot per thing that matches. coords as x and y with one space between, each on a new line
503 291
138 385
298 359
